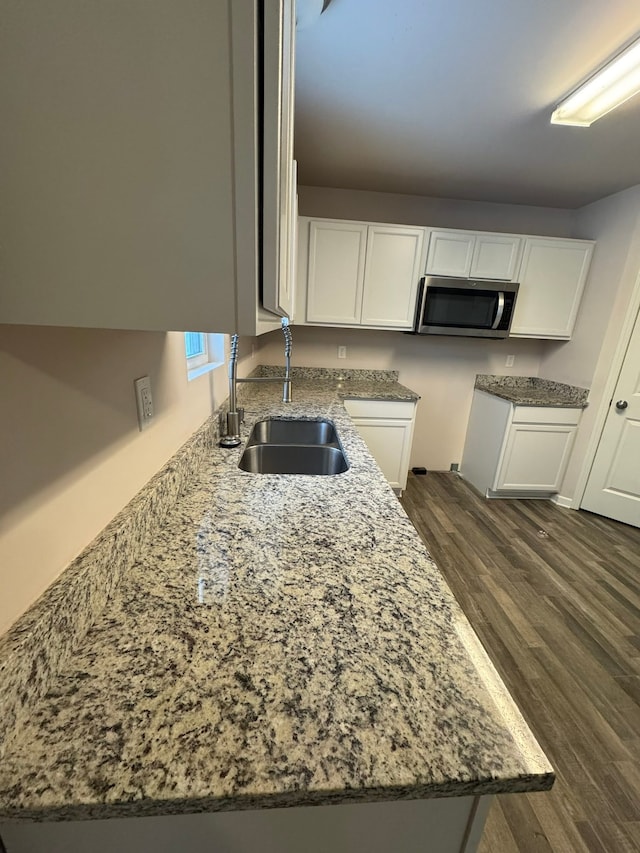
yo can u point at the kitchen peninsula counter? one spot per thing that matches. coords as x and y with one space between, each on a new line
280 640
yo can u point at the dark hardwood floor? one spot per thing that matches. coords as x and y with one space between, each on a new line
554 595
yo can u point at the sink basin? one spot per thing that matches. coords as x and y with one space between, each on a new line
293 459
279 446
281 431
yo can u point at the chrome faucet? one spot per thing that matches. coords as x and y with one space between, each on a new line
230 421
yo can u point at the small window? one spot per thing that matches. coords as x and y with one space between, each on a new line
203 352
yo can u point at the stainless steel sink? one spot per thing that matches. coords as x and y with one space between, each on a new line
281 431
293 459
279 446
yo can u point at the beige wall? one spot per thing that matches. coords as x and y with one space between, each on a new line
614 223
71 455
435 212
441 370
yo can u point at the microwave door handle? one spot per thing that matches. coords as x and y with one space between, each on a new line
422 296
499 311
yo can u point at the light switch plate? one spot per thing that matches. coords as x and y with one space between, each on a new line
144 401
510 360
342 352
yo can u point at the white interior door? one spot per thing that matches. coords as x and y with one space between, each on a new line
613 488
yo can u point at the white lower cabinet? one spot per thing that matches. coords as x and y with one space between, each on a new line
517 451
387 429
535 457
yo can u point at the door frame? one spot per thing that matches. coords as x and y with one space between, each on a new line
633 315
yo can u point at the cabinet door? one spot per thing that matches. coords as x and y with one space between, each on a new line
279 182
387 429
390 444
392 271
552 278
450 253
133 161
336 272
496 257
535 457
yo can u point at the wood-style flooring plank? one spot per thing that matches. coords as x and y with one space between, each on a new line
554 596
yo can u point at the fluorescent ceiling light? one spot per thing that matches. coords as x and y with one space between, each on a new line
614 84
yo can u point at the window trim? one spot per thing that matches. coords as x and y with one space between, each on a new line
215 346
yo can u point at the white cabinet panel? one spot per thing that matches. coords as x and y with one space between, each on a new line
279 187
496 256
386 409
361 274
133 162
552 278
388 442
450 253
392 271
535 457
387 429
336 272
545 415
473 254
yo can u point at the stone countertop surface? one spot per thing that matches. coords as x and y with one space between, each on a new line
532 391
282 641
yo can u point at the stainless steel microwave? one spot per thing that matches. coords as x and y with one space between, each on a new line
465 307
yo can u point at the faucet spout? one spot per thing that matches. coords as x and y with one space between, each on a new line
286 390
229 424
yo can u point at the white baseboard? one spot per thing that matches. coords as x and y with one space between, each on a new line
560 500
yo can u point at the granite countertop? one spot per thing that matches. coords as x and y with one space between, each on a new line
281 641
532 391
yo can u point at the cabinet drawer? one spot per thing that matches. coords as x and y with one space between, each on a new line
380 409
545 415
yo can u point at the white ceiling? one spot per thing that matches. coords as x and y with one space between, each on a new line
452 98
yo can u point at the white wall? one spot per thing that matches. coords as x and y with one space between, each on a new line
435 212
441 369
71 455
614 223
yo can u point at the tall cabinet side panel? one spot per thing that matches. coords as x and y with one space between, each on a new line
486 431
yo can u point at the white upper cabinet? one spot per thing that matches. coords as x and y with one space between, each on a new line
552 277
133 163
361 274
496 256
450 253
473 254
336 272
392 272
366 274
280 182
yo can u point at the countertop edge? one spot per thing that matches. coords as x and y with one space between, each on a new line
532 783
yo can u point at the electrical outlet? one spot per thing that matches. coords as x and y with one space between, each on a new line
510 361
144 401
342 352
